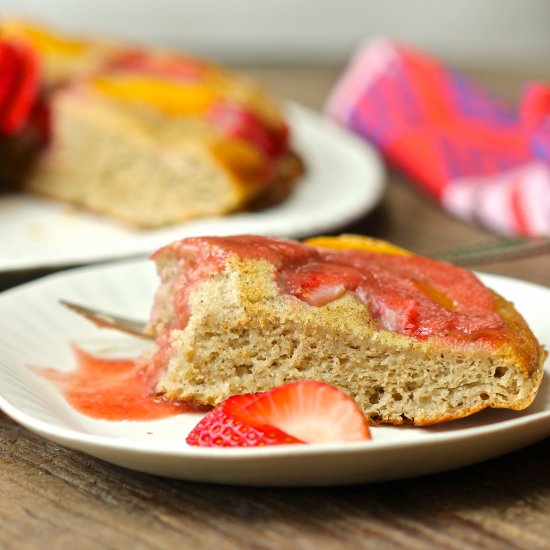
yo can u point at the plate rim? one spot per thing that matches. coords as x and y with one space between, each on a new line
359 447
75 436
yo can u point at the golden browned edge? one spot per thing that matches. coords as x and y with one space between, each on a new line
521 347
290 168
18 157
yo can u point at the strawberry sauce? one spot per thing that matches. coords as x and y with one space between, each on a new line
407 294
111 389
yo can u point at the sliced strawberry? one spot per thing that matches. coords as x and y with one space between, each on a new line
229 426
323 294
8 71
401 316
236 121
318 284
17 106
299 412
393 311
313 412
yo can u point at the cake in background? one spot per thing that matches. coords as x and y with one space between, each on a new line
147 136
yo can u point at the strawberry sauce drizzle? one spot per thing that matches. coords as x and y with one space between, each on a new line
111 389
410 295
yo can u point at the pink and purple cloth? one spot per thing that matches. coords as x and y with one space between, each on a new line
481 159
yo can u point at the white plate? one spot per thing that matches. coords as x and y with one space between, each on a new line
35 330
344 180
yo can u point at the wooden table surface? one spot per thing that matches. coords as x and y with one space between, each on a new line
53 497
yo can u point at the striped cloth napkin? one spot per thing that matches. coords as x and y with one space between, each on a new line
482 160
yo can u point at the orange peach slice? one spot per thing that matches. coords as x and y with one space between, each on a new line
42 40
357 242
171 98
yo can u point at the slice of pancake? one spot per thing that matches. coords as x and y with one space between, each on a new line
411 339
152 137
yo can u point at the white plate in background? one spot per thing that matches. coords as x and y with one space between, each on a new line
36 330
343 181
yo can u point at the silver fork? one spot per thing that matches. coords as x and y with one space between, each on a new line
496 251
502 250
103 319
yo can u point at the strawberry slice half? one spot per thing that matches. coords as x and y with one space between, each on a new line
318 284
299 412
228 425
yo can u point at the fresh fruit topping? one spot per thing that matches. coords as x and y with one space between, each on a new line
313 412
9 70
357 242
234 120
178 67
395 312
299 412
171 98
42 40
228 425
19 85
435 295
243 160
319 283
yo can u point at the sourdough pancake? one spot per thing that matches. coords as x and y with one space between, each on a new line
411 339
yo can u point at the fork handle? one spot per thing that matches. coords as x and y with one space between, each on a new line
498 251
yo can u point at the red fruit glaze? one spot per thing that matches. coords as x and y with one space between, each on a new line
395 289
111 389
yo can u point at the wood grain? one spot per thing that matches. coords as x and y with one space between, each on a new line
53 497
71 500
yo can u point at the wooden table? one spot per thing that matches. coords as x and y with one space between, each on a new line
56 498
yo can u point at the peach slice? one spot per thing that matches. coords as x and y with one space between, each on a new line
357 242
435 295
171 98
42 40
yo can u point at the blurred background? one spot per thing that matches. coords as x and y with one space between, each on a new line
298 49
496 32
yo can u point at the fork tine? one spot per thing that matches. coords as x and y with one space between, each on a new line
103 319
